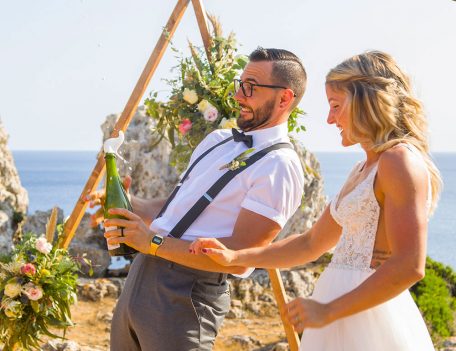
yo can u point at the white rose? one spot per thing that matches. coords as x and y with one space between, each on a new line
43 246
210 114
226 123
13 289
190 96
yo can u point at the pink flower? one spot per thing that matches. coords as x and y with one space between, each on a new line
28 269
43 246
32 291
185 126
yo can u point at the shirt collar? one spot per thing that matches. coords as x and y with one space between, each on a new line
262 136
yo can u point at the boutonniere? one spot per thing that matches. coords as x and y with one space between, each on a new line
238 161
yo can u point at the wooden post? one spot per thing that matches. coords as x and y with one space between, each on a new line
202 24
279 293
125 118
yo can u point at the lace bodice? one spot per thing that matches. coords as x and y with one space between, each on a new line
357 213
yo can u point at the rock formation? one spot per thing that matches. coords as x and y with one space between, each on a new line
13 197
148 165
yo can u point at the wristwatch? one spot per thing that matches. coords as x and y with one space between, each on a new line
155 243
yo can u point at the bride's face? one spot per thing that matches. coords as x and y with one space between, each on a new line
338 113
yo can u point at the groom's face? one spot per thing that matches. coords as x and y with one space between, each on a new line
257 110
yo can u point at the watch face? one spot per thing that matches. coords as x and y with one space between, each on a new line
157 240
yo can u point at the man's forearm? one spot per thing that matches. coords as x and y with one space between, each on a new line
147 209
176 250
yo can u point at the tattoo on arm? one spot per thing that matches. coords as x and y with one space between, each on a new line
378 257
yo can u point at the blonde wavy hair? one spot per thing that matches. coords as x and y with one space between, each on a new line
382 109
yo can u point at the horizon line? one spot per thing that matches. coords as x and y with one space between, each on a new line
313 151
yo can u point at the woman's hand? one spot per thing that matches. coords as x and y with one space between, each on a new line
306 313
135 232
97 198
215 250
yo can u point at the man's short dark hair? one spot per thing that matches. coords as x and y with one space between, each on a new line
287 69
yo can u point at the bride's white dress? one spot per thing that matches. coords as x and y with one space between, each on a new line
392 326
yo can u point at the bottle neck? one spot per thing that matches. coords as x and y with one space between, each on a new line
111 166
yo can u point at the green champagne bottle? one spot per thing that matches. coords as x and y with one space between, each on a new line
116 197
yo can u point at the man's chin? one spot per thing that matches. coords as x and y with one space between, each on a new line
244 123
246 116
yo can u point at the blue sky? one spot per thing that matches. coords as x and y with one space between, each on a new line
65 65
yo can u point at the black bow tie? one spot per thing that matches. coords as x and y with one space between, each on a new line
240 136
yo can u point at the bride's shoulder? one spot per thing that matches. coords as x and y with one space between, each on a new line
401 165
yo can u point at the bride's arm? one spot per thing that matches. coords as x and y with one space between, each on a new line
403 181
292 251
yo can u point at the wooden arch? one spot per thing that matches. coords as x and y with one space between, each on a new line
122 124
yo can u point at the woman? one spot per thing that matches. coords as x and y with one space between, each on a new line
378 220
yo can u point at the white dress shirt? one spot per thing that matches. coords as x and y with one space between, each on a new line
271 187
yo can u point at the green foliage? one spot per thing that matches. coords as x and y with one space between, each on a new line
37 287
435 297
201 98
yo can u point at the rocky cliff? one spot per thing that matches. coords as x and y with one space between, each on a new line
13 197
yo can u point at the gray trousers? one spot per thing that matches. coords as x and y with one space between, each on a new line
165 306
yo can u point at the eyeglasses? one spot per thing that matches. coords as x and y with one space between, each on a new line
247 87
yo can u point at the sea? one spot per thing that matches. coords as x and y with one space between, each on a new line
56 178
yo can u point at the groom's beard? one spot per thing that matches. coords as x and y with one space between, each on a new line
260 117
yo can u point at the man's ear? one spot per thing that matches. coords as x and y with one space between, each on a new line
286 99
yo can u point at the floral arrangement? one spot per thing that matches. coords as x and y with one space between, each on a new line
37 286
201 97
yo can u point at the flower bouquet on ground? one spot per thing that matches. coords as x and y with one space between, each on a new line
37 287
201 98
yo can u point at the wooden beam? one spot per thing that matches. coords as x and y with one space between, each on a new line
201 17
125 118
279 292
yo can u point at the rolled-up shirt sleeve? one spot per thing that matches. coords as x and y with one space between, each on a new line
276 187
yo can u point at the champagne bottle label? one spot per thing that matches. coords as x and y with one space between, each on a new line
115 246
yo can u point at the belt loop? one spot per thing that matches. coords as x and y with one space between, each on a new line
222 277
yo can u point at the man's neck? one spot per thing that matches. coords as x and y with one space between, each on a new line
268 124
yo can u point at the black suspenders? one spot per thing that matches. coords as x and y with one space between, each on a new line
204 201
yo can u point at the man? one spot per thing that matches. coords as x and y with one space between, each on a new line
174 300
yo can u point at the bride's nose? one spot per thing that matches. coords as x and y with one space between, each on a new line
331 119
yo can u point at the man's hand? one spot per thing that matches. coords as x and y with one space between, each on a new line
97 198
135 232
